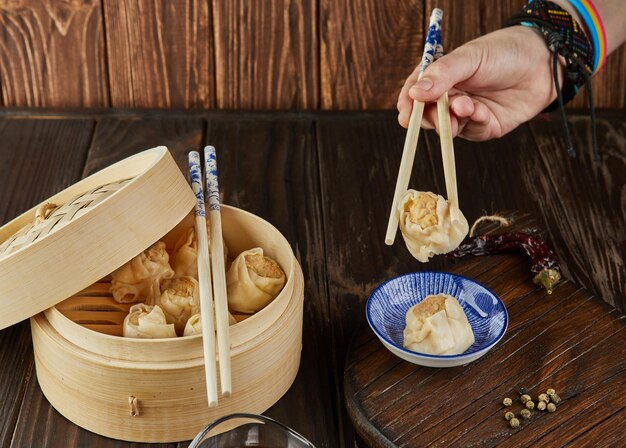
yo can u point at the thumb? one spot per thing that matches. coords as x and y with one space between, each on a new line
445 73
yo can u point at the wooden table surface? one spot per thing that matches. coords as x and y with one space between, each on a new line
326 181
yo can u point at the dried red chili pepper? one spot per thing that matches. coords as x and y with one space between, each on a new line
545 263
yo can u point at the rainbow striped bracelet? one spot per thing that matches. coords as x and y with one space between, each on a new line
595 27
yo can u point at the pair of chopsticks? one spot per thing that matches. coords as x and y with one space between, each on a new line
212 288
433 49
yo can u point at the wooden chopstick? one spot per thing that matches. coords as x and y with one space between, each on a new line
433 42
218 270
447 154
204 280
406 166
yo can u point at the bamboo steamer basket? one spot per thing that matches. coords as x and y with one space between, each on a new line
140 390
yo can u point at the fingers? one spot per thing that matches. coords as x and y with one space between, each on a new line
481 114
469 119
482 124
405 102
462 106
462 123
405 106
441 76
446 72
430 120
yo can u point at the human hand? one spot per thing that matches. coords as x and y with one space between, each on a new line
495 83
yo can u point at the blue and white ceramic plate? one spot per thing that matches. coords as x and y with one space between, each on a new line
388 304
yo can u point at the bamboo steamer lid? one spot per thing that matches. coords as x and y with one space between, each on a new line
99 224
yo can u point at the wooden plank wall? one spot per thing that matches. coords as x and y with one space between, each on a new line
235 54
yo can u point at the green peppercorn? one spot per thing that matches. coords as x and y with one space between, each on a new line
541 405
530 404
544 397
550 392
507 401
554 398
551 407
514 423
524 398
509 415
525 413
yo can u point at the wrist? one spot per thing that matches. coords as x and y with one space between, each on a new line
572 51
564 36
531 38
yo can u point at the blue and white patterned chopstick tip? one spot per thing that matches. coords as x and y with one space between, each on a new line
195 177
433 44
212 186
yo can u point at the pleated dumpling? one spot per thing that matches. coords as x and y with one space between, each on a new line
180 299
438 326
253 281
147 322
185 254
427 226
194 324
141 278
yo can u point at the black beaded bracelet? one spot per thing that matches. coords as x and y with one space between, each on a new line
564 37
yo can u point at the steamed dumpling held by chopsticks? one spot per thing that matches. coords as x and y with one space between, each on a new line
427 225
253 281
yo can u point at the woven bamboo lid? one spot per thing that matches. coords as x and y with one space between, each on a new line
88 230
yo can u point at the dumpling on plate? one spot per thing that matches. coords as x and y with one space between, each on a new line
437 326
253 281
185 253
427 226
140 279
147 322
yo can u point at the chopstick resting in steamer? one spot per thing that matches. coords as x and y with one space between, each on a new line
204 280
447 148
218 269
433 38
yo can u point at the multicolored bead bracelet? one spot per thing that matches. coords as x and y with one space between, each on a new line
565 38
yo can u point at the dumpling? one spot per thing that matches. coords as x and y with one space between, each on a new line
180 299
147 322
426 225
253 281
43 211
438 326
140 279
185 254
194 324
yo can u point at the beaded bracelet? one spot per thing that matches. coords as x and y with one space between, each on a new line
595 27
566 38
